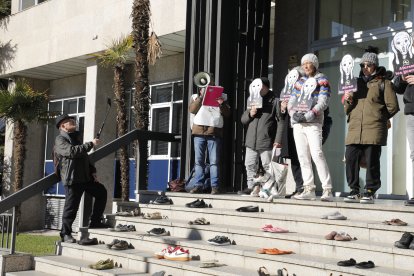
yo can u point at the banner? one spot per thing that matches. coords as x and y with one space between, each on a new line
347 82
402 47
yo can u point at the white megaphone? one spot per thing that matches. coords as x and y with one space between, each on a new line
202 79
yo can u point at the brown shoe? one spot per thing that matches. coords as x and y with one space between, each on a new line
215 191
330 236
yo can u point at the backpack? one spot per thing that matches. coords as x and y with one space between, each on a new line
56 163
327 125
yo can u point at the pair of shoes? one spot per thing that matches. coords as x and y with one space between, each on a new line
246 191
353 197
327 195
352 262
155 215
196 190
271 229
68 238
215 191
158 232
406 241
308 194
103 264
263 271
296 192
173 253
198 204
99 224
88 241
248 209
220 240
273 251
119 245
199 221
334 216
367 197
339 236
123 228
395 222
162 200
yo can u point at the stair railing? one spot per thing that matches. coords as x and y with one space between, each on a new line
13 201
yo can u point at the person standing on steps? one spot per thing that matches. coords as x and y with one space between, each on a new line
78 176
260 136
307 128
368 110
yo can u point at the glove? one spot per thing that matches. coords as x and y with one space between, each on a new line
299 117
309 116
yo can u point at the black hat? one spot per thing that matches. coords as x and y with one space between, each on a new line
265 81
62 117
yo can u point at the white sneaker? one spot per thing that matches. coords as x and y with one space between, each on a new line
327 195
256 190
308 194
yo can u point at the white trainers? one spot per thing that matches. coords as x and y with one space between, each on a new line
327 195
308 194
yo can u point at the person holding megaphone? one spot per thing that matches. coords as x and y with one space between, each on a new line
207 131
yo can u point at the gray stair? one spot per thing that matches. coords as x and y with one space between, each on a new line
28 273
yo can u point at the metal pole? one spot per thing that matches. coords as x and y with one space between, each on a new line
13 237
137 158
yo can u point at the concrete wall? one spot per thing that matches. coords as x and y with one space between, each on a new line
166 69
62 29
68 87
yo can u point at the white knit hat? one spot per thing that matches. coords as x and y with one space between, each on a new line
310 58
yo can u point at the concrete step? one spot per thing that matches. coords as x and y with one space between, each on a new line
381 210
372 230
63 265
246 256
140 258
28 273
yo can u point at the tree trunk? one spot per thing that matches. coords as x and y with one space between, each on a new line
19 153
122 127
140 33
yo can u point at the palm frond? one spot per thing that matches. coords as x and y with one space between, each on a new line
117 52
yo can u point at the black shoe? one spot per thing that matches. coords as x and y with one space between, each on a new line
409 202
158 232
297 191
365 265
405 241
88 241
162 200
191 203
350 262
199 204
246 191
368 197
248 209
68 239
99 225
220 240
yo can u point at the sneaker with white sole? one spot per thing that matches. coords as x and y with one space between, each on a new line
308 194
178 254
160 255
367 198
354 197
327 195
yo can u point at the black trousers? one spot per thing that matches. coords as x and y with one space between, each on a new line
294 160
74 194
353 155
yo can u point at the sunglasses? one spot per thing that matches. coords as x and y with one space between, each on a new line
369 65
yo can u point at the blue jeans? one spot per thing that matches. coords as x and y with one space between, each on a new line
201 144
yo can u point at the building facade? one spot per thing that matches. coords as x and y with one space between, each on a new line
52 44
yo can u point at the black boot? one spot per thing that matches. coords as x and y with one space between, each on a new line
405 241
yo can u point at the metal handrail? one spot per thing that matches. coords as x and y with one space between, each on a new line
14 200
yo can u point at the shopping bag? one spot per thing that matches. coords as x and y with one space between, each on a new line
278 169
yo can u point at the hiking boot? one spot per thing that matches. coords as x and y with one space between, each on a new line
354 197
367 198
220 240
215 191
68 239
158 232
405 241
308 194
121 245
103 264
109 245
327 195
246 191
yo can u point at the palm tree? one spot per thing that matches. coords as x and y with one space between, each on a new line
21 106
141 14
115 56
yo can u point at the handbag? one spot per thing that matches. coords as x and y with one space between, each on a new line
278 169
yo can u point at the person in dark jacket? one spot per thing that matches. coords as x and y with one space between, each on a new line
78 176
260 136
368 111
405 85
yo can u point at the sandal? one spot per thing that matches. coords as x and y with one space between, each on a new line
273 251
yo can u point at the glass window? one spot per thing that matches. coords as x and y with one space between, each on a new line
160 122
161 94
338 17
70 106
178 91
176 127
27 4
81 105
